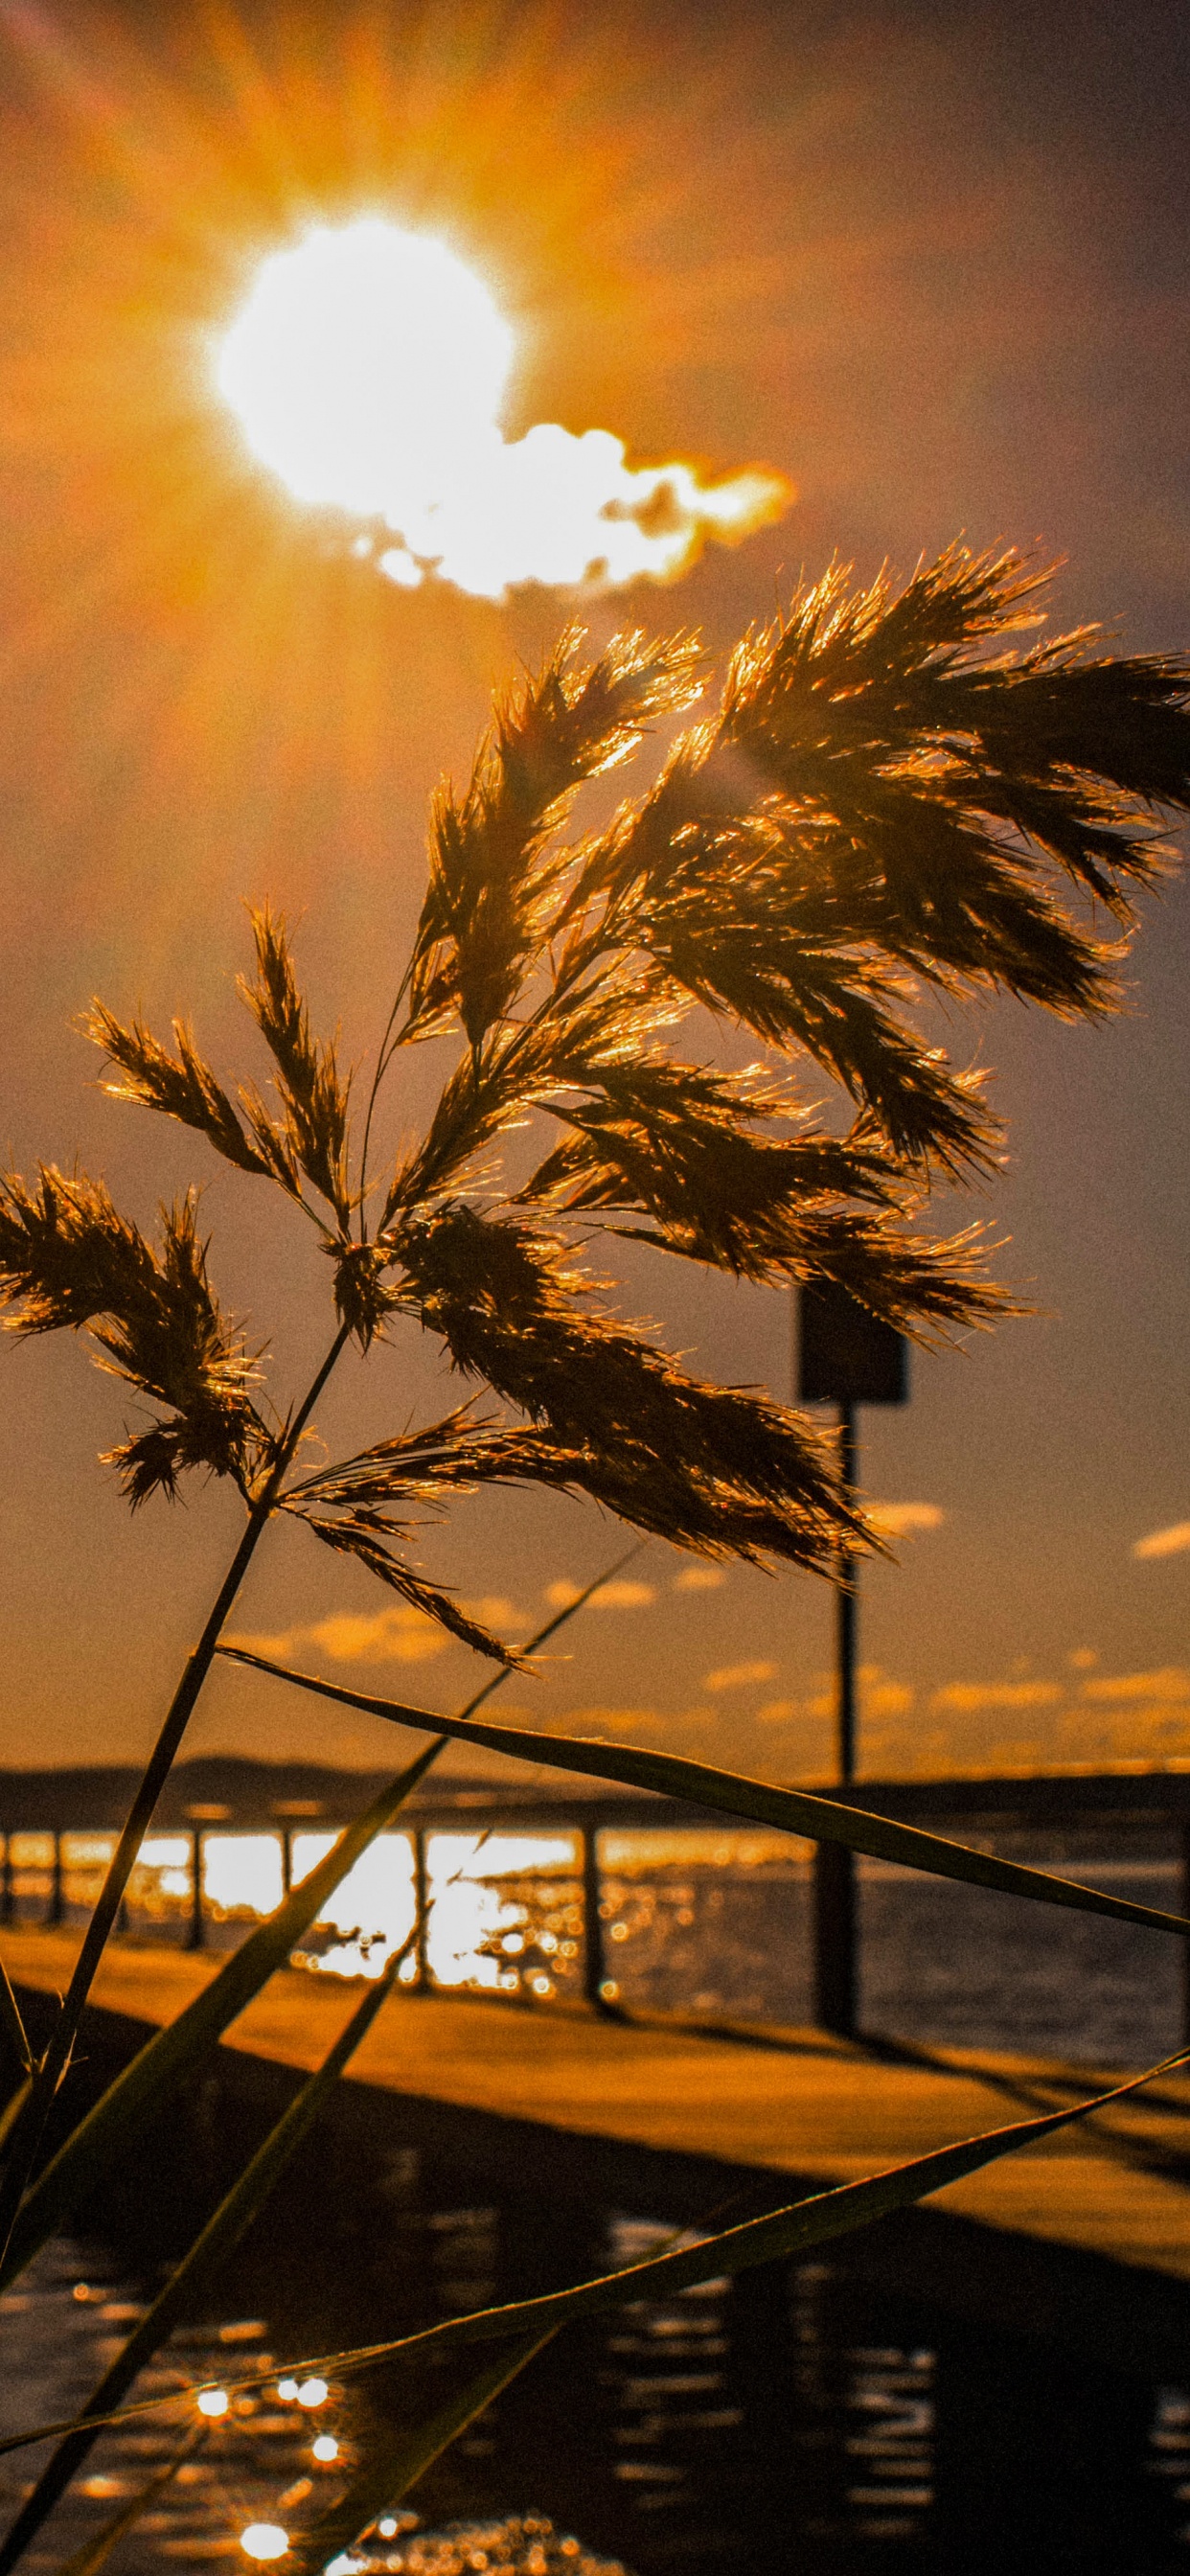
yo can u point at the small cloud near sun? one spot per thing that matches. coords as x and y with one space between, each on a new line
1173 1541
403 1635
902 1520
610 1596
400 1636
367 367
699 1578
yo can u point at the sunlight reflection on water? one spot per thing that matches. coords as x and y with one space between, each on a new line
503 1909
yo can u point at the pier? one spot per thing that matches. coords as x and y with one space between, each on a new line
738 2097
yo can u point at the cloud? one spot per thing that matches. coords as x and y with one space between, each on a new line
1164 1542
879 1697
1083 1659
398 1636
612 1596
967 1699
1172 1681
901 1520
628 1721
495 1611
571 513
887 1699
739 1676
699 1578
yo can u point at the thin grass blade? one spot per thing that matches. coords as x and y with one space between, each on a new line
730 1793
26 2138
13 2110
11 2024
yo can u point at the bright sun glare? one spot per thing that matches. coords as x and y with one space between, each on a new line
367 367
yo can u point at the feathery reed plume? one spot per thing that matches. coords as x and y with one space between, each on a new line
67 1257
181 1086
492 878
875 800
313 1096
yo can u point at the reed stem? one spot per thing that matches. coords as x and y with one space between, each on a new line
30 2125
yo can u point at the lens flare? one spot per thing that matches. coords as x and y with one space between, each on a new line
367 368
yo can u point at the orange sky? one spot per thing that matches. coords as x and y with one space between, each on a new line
931 265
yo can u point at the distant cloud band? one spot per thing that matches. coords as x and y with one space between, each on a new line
610 1596
967 1699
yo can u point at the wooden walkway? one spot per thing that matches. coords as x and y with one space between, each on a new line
782 2101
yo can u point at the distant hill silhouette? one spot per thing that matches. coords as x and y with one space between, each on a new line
218 1789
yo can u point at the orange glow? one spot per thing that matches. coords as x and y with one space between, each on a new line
143 183
143 192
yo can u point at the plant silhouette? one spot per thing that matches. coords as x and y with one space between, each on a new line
892 795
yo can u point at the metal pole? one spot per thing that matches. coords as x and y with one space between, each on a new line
421 1899
196 1934
835 1923
594 1965
57 1903
846 1607
7 1896
286 1862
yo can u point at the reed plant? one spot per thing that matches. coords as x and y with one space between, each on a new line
891 797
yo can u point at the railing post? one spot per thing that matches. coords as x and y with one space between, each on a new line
57 1904
286 1861
1184 1908
594 1966
7 1891
421 1901
196 1934
834 1939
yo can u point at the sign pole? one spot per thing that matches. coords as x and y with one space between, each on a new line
848 1572
834 1889
847 1357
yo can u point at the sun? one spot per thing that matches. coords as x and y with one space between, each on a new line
366 367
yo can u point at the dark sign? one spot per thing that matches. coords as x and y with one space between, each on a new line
846 1355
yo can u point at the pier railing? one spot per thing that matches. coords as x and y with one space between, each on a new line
256 1798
